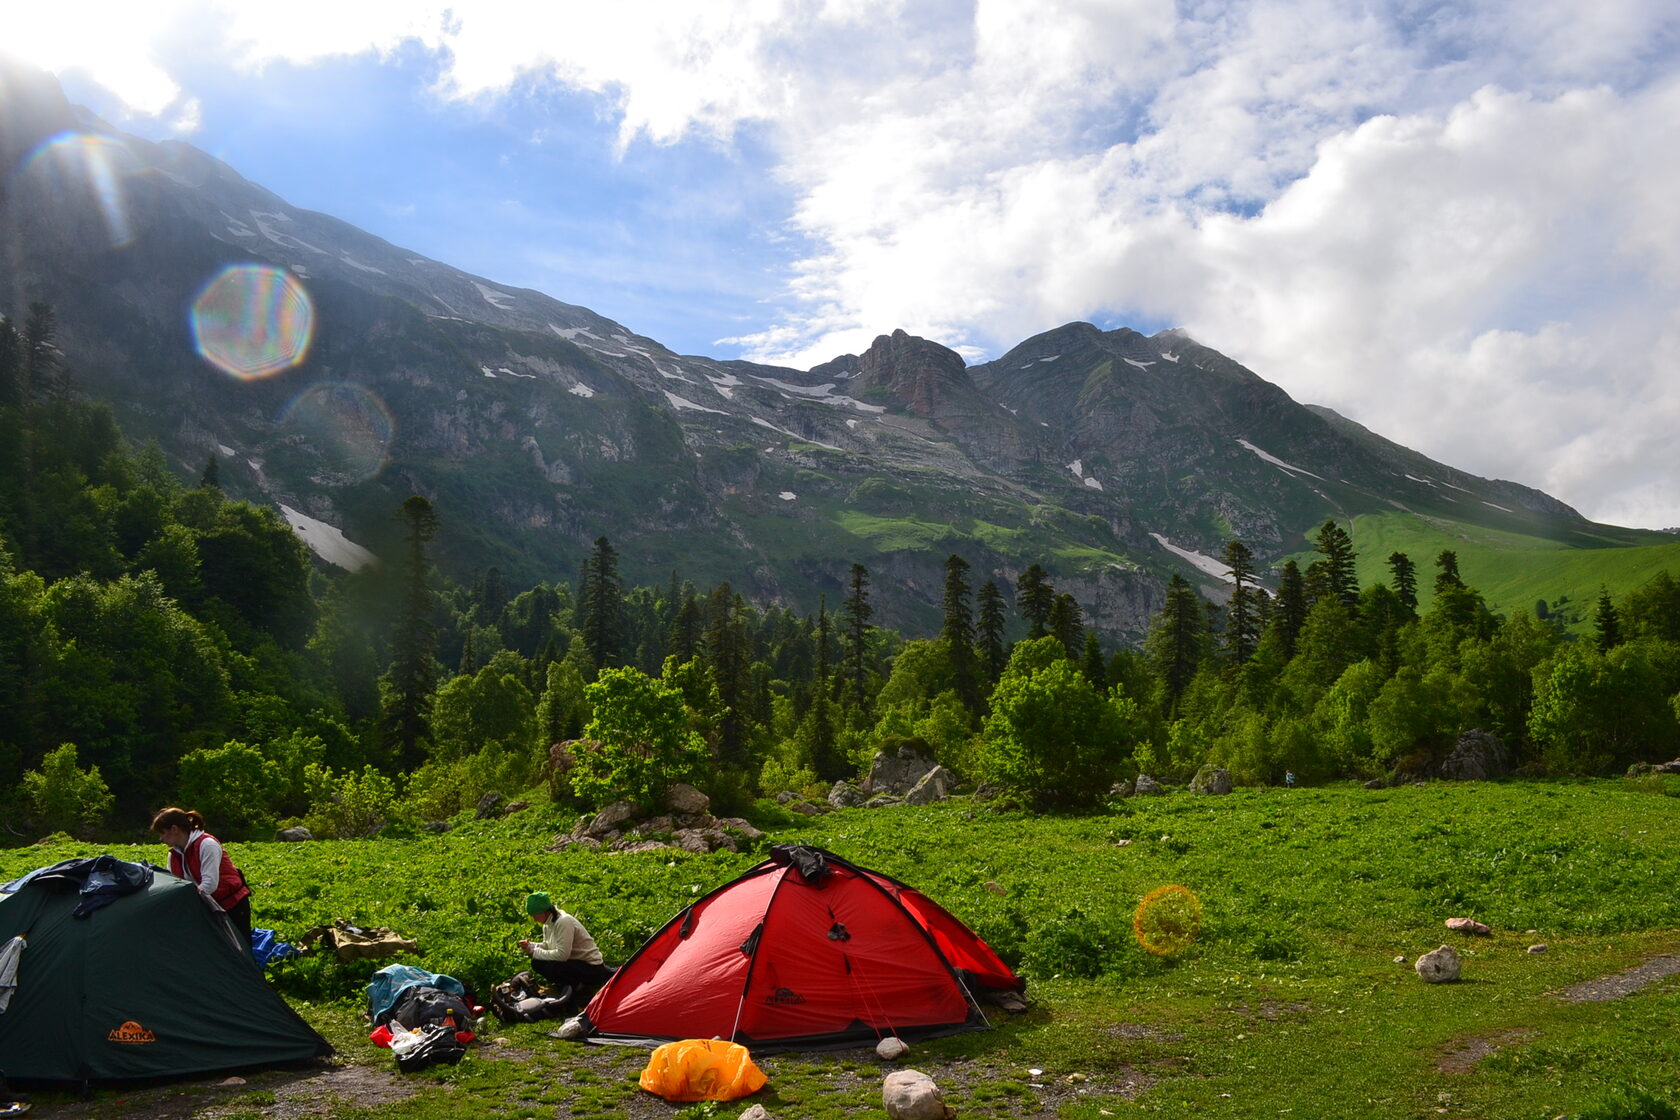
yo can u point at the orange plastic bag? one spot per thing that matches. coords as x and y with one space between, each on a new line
698 1069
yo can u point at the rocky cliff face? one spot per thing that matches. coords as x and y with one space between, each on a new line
535 426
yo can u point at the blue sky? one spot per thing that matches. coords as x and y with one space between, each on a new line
1442 219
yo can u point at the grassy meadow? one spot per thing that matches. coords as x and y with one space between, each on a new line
1291 1002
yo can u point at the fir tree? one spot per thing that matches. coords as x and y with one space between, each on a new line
212 476
1177 640
1242 616
1033 598
856 612
1289 610
1067 624
990 649
411 682
1400 566
1336 574
601 603
1446 575
1607 624
958 630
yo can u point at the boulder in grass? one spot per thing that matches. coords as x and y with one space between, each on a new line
756 1112
1210 779
489 805
891 1048
1441 966
1468 925
294 835
931 788
910 1094
846 795
1145 786
684 798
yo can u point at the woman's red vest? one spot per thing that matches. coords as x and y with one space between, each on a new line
230 884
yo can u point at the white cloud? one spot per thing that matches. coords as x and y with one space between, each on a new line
1440 218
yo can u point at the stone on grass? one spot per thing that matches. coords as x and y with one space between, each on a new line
570 1031
910 1094
846 795
891 1048
896 771
1468 925
489 806
1441 966
294 835
1537 948
1477 756
684 798
1211 779
756 1112
1668 767
1147 787
930 789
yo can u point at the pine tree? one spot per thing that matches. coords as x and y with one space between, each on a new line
856 612
212 476
409 685
1405 579
1033 598
729 654
1337 573
1067 624
990 649
1242 616
1092 664
1289 610
1446 575
1607 624
601 603
1177 640
958 630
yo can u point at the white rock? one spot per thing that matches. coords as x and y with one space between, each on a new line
756 1112
1439 967
891 1048
909 1094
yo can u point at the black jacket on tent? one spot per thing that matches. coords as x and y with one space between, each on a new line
150 984
805 950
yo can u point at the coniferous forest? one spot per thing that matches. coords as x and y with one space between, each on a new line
163 643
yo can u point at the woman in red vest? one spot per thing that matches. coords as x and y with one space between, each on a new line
196 855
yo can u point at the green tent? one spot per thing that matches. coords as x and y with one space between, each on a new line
153 984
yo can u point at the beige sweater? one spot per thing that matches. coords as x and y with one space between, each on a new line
565 939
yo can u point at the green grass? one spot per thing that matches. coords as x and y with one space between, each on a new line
1291 1003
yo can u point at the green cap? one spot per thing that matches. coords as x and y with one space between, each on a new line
538 903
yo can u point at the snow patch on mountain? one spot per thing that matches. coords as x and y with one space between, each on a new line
581 390
1138 364
787 495
1169 355
1276 462
570 334
1201 561
328 541
681 403
1494 505
791 435
498 300
353 263
1092 482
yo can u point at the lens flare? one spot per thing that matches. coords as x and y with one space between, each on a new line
253 321
1167 920
347 425
73 164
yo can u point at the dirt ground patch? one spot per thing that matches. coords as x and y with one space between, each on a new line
276 1094
1622 983
1461 1054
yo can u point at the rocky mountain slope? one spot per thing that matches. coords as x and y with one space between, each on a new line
535 426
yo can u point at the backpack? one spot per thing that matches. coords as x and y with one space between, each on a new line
522 999
429 1046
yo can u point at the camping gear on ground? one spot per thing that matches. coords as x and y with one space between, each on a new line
806 949
426 1046
267 948
699 1069
154 983
356 943
522 998
386 988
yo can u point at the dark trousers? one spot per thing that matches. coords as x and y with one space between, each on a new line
240 917
583 978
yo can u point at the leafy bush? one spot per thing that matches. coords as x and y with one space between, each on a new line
63 797
1631 1102
350 805
234 787
643 743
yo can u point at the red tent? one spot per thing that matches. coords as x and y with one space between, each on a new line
806 949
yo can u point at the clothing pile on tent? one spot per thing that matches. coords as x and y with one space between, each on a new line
806 949
126 973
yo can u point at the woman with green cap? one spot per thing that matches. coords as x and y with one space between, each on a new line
566 956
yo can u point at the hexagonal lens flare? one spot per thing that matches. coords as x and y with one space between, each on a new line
253 321
347 425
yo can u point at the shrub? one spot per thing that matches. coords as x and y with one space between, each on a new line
63 797
234 786
642 741
351 805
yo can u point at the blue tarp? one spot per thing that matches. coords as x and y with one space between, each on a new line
388 984
266 947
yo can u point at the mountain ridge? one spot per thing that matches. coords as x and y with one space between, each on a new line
536 425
